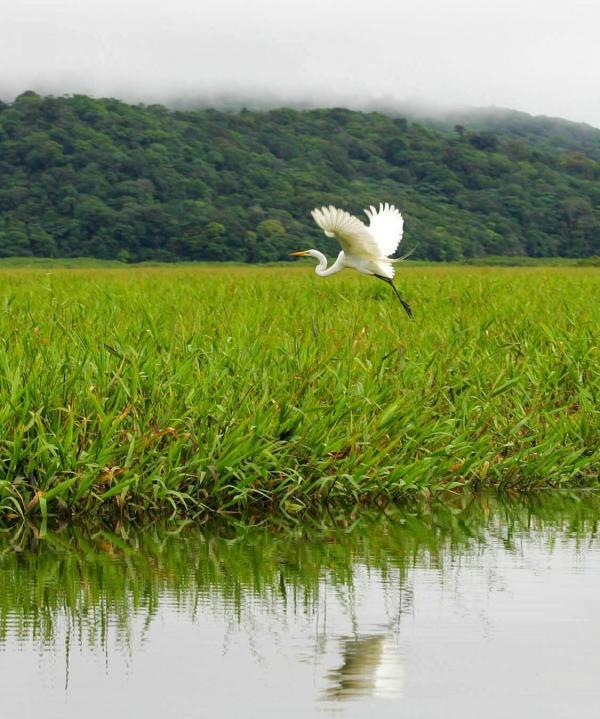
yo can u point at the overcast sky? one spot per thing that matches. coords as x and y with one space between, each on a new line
541 56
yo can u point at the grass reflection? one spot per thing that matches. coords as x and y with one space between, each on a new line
85 580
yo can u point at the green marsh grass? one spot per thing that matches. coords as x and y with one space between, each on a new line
182 390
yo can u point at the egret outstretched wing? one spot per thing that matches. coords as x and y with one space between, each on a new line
386 227
380 239
352 234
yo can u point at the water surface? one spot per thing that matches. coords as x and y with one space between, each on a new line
468 608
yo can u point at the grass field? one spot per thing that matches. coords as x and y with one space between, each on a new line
183 390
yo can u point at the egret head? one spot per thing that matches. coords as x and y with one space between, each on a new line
321 266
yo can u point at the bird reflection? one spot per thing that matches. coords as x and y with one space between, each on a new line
372 666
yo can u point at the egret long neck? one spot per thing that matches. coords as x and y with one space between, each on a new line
321 269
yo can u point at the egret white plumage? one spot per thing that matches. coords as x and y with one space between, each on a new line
366 249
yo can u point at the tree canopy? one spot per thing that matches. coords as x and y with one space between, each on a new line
102 178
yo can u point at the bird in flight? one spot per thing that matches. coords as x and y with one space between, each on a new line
366 249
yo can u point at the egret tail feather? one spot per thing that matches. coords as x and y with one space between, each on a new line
404 256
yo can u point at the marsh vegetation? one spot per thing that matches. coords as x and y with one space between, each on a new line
186 391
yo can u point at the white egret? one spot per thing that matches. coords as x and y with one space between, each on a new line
366 249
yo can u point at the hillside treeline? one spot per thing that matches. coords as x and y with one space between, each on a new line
102 178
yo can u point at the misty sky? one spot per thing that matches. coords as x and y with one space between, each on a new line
539 56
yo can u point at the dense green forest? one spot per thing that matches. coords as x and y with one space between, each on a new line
101 178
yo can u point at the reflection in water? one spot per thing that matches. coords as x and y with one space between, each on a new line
404 607
372 666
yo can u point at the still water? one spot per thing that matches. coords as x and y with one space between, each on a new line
462 609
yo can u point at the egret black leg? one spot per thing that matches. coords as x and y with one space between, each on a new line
403 302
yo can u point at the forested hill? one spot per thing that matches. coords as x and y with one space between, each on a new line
85 177
549 134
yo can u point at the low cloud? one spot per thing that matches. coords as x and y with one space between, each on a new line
388 53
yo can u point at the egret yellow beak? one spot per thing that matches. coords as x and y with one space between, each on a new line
299 254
